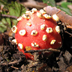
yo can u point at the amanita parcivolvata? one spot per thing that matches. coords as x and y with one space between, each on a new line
37 30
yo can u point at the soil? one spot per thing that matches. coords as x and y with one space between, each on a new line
11 60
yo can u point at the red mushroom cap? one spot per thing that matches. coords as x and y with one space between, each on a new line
36 30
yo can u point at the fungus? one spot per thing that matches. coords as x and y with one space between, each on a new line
37 31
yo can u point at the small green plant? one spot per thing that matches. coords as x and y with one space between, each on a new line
13 9
16 9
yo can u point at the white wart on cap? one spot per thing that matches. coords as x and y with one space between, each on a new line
14 29
22 32
20 46
57 29
55 17
14 41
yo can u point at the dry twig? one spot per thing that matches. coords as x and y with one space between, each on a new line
50 49
9 16
11 63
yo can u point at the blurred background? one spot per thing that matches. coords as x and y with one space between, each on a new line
18 7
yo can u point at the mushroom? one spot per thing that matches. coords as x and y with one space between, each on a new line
36 31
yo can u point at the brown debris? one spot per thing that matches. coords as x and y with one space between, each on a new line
34 4
1 48
69 69
14 67
11 63
62 65
67 56
45 68
1 39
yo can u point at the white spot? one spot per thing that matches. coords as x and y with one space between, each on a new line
47 16
52 42
28 12
34 45
34 10
44 38
14 29
49 30
19 19
39 14
55 17
42 11
29 24
22 32
57 29
34 33
14 41
42 27
26 16
20 46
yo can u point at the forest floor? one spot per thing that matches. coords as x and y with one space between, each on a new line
11 60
